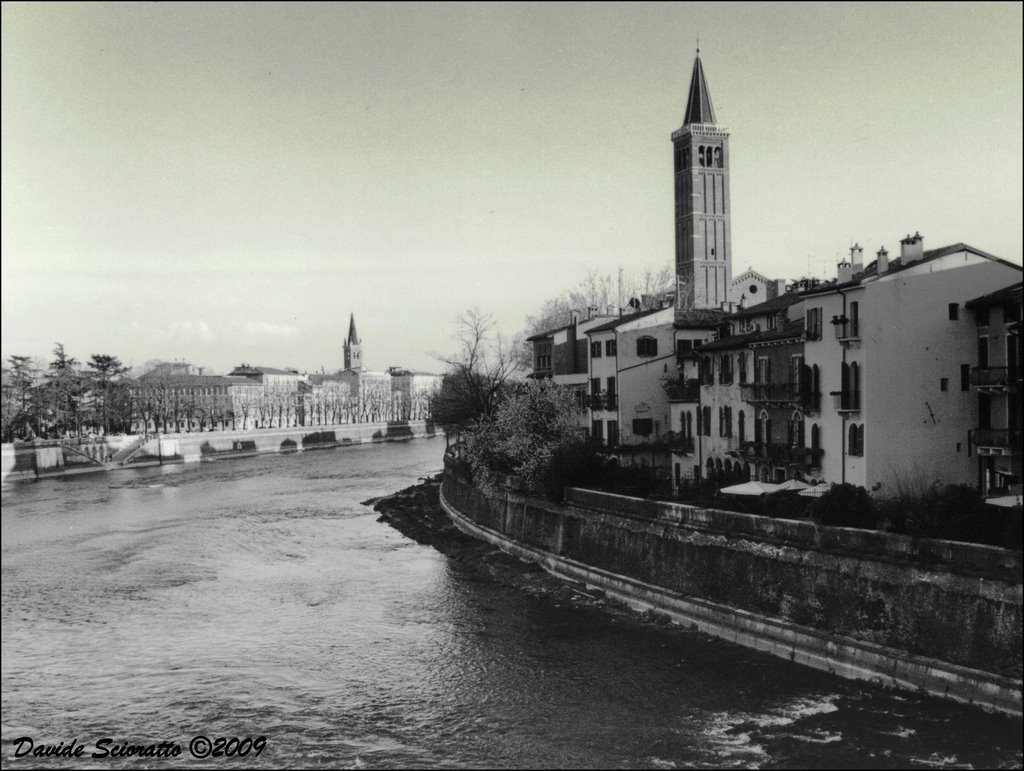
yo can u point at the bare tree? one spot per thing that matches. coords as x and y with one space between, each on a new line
477 374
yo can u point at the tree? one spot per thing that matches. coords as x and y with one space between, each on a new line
65 387
477 374
103 370
19 398
598 292
534 425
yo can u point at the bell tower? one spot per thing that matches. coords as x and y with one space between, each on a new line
703 238
353 348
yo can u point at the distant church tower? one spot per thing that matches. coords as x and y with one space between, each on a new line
703 239
353 348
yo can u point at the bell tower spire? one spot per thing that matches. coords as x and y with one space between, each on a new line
703 237
353 347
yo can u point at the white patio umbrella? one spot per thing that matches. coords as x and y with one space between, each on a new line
1007 501
815 492
793 484
750 488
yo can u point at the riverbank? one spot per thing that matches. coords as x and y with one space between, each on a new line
46 458
416 512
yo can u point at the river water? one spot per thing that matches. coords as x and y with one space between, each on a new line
258 597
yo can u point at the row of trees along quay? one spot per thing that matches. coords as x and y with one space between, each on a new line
64 398
501 426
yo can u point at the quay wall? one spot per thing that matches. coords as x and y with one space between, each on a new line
56 457
921 614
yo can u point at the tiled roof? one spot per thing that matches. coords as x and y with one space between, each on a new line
623 319
699 319
768 306
1000 297
789 330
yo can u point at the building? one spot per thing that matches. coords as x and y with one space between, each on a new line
564 354
703 235
267 397
411 393
995 378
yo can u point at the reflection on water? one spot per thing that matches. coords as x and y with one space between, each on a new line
258 597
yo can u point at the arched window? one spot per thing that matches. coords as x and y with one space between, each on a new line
718 157
844 387
689 425
815 437
851 443
796 430
711 469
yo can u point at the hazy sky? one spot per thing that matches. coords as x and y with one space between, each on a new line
226 182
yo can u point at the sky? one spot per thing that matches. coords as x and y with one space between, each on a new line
223 183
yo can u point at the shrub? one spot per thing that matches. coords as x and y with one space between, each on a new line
845 505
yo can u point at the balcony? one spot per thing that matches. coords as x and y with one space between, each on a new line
803 458
683 390
995 379
780 394
603 401
847 401
997 441
847 331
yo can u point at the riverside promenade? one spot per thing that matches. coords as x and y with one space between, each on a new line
29 461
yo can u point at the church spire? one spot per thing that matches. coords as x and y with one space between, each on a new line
352 349
698 104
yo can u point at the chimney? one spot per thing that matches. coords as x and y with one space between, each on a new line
911 249
882 266
780 288
844 273
591 310
574 316
610 310
857 258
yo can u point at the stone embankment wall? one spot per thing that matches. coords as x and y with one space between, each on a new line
22 462
925 614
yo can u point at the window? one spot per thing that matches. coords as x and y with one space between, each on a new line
796 430
764 371
706 420
743 367
610 401
646 346
725 369
954 311
707 371
643 426
944 384
595 430
595 349
742 427
595 386
613 433
855 440
854 328
610 347
770 321
815 437
965 377
683 347
813 324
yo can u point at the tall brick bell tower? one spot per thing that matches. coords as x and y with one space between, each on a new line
703 238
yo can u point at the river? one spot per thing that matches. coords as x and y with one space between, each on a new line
258 597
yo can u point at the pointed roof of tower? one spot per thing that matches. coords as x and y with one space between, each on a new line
352 336
698 103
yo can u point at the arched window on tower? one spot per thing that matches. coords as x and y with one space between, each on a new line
718 157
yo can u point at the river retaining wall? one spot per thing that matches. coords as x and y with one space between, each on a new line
921 614
50 458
